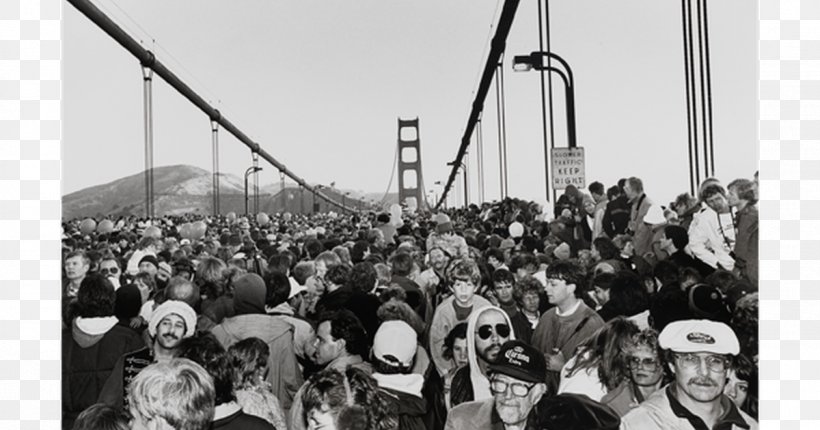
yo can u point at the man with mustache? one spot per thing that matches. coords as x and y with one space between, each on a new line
699 353
170 322
487 329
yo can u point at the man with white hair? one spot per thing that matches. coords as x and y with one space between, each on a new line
700 354
170 322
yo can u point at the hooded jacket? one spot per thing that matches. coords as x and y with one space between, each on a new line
470 384
283 374
403 394
444 319
91 348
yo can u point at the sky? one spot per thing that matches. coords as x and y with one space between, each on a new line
320 86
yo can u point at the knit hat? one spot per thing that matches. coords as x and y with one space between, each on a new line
249 294
128 302
150 259
173 307
706 301
699 336
395 343
520 361
575 412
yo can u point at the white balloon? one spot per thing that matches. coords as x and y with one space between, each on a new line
516 229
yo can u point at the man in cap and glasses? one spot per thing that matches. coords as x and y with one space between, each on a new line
700 354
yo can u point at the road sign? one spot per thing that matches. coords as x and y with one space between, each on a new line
568 168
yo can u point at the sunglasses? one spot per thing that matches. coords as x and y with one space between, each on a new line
485 331
112 271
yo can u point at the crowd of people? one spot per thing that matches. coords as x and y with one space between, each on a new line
607 310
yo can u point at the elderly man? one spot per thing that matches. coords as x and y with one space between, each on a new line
175 395
699 353
170 322
517 385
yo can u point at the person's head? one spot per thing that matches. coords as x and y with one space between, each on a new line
128 302
248 360
401 263
600 287
171 322
339 334
742 190
494 257
100 416
464 276
605 350
363 277
633 187
394 347
503 281
110 267
742 385
249 294
205 350
526 292
95 297
334 400
455 345
565 281
604 249
699 353
491 330
644 359
627 294
438 258
523 264
150 244
174 395
149 264
182 289
184 268
397 309
337 276
277 289
517 381
597 190
383 274
613 192
715 197
146 283
76 265
324 261
676 236
303 270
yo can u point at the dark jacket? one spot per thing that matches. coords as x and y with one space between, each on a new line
521 327
409 409
616 216
239 420
415 297
88 359
682 260
461 389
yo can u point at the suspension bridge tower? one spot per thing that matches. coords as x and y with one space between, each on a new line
411 181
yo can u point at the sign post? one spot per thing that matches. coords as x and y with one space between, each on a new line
568 168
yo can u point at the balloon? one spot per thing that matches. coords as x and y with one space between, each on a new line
287 216
516 229
262 219
152 231
198 230
231 216
105 226
88 225
185 231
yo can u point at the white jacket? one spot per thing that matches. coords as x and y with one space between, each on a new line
708 237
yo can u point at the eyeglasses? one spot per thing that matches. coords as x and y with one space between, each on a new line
650 364
485 331
107 271
715 363
519 389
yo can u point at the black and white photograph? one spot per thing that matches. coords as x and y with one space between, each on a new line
387 215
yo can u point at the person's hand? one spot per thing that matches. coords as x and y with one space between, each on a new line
556 360
136 322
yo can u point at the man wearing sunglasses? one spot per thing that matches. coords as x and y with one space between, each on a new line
699 353
487 329
517 385
110 268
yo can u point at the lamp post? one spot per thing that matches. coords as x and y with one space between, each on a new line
316 188
252 169
344 208
536 61
466 190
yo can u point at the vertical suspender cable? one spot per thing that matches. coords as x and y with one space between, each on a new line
500 127
549 83
215 157
708 83
480 140
702 73
544 103
689 114
147 75
504 128
693 90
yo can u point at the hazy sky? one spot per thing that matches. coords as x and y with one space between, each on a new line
320 86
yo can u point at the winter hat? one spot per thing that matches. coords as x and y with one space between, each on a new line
520 361
699 336
128 302
173 307
150 259
249 294
562 251
395 343
706 301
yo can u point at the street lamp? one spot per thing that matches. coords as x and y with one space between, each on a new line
250 170
523 63
344 208
318 187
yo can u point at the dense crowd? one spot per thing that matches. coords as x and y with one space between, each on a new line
605 310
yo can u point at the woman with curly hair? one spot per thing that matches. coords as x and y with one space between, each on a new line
248 360
741 386
345 401
599 364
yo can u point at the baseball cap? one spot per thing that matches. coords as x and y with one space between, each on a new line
520 361
395 343
699 336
